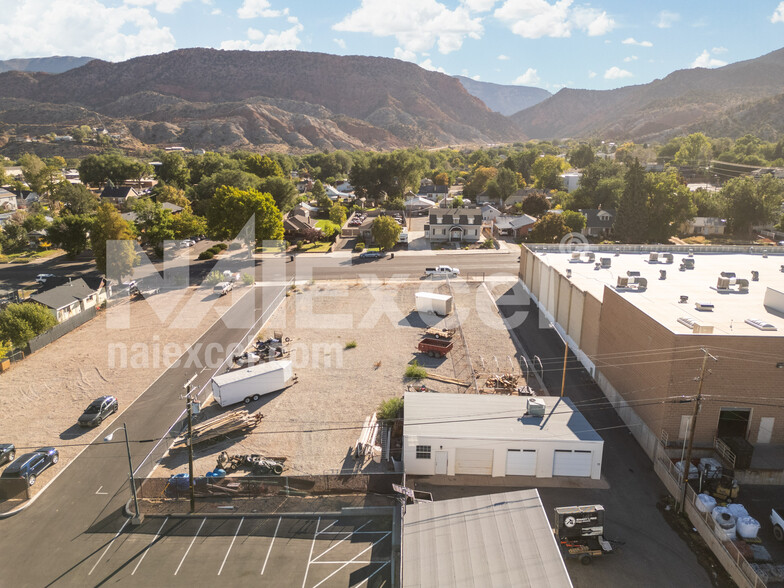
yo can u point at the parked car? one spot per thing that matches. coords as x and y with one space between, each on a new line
223 288
372 254
97 411
30 465
187 243
7 452
41 278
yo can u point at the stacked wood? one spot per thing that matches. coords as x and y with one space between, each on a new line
366 444
503 383
440 378
232 422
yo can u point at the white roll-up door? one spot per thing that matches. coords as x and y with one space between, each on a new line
572 463
520 462
474 461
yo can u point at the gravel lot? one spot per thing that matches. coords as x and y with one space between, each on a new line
315 422
43 395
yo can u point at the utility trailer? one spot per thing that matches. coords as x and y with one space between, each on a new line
437 333
430 302
579 531
435 347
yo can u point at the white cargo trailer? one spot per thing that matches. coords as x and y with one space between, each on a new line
251 383
440 304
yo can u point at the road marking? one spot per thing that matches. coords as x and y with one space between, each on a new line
108 546
204 520
310 557
230 546
327 527
386 563
99 491
367 561
264 567
353 559
341 541
146 549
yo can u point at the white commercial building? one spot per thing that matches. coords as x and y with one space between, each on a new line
453 434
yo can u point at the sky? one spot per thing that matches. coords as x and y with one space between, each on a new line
549 44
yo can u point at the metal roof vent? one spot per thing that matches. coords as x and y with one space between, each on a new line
760 324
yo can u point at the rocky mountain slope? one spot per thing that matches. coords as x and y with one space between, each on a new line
503 98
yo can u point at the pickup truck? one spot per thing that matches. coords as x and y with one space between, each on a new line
777 519
442 270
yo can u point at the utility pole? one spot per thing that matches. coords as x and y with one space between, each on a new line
189 404
692 427
566 356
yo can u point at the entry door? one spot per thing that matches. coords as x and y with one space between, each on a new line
520 462
474 461
442 462
733 422
572 463
765 429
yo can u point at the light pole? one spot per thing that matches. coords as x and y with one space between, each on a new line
137 519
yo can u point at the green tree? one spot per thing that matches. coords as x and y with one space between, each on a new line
165 193
209 164
386 231
153 222
631 221
535 205
82 134
70 233
751 202
573 220
478 183
263 166
338 214
548 229
582 156
13 236
116 259
503 185
283 191
547 170
669 205
35 172
76 198
232 208
710 204
396 203
186 224
96 170
694 150
35 222
320 195
19 323
174 171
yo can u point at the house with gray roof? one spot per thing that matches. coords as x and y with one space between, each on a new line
598 221
70 298
516 226
454 225
117 195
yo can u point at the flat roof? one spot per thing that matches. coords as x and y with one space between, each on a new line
660 300
486 416
495 540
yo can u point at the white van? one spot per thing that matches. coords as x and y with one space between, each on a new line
223 288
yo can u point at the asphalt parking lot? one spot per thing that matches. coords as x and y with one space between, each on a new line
274 551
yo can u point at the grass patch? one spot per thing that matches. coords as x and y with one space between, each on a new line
26 256
415 371
351 345
389 409
317 247
324 224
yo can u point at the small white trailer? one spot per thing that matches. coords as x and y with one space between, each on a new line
252 382
440 304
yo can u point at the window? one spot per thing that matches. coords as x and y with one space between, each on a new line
423 451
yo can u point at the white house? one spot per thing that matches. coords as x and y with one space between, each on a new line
704 225
452 434
571 180
7 201
454 225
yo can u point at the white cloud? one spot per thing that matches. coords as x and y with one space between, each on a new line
591 74
704 59
479 5
778 14
616 73
340 43
216 12
503 57
718 50
533 19
272 41
632 41
404 55
417 25
428 65
165 6
476 78
80 27
630 58
258 8
530 77
667 19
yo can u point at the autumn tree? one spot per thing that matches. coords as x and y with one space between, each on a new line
547 170
479 181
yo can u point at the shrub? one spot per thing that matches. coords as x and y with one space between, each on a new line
206 255
351 345
359 246
300 243
234 246
389 409
248 279
415 371
488 244
213 278
214 250
221 246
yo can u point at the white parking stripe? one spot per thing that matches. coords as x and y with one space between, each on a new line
341 541
108 546
266 559
146 549
324 530
204 520
310 557
352 560
230 546
371 575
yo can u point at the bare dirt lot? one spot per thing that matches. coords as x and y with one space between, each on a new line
316 422
43 395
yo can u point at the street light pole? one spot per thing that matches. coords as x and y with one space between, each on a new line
137 519
189 403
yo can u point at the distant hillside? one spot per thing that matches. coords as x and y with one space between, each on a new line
504 99
274 99
683 100
53 65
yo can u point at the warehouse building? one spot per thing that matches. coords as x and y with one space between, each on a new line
455 434
639 317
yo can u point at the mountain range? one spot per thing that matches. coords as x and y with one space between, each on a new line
505 99
53 65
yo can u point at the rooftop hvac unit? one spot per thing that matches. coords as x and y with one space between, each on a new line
574 257
605 261
623 282
568 272
754 276
727 274
704 306
535 407
591 256
688 263
760 324
632 273
641 283
653 257
662 274
695 327
668 257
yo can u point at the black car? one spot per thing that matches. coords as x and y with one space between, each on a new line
30 465
99 409
7 453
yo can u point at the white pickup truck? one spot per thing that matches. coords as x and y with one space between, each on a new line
777 519
442 270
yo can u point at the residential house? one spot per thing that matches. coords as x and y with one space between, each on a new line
516 226
24 198
518 196
297 223
454 225
173 208
418 205
118 196
344 186
490 213
66 299
598 221
571 180
704 225
7 201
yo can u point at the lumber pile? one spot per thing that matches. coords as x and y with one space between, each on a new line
447 380
229 423
501 383
366 444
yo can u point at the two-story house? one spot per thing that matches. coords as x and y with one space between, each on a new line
454 225
598 221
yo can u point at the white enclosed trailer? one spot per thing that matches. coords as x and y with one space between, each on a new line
251 383
440 304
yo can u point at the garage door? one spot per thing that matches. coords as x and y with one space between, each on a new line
572 463
520 462
474 461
